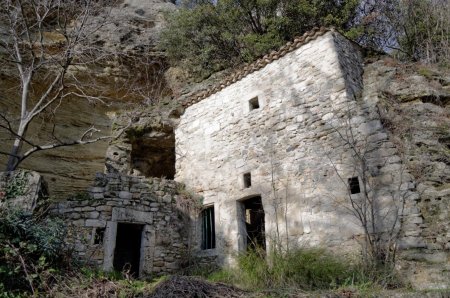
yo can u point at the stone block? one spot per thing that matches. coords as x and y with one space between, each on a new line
96 189
95 223
411 242
74 216
167 199
88 208
104 208
78 222
125 195
173 265
415 219
97 196
158 263
93 214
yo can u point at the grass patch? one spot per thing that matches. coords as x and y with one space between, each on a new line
307 269
304 270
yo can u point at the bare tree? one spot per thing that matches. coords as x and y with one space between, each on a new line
377 207
413 30
46 44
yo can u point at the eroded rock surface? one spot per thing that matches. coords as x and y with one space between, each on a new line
414 104
132 28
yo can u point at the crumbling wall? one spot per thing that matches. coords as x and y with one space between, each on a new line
151 202
146 147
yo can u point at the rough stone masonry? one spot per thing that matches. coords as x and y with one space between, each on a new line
277 151
149 205
292 130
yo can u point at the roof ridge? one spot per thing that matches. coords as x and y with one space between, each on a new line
247 69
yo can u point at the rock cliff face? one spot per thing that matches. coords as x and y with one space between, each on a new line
414 103
133 27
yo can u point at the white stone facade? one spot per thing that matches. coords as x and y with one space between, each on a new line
299 141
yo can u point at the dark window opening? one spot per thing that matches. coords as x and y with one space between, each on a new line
127 254
353 184
98 235
153 154
247 180
254 223
208 229
253 103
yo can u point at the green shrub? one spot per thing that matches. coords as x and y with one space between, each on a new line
303 268
16 185
308 269
204 37
31 247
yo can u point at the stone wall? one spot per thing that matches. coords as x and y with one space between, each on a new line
21 189
160 206
300 144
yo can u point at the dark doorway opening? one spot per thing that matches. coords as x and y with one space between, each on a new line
254 223
127 254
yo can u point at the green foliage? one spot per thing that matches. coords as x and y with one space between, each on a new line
16 185
135 132
30 249
204 38
92 274
425 34
309 269
411 30
187 200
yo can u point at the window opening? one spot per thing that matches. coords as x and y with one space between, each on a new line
253 103
208 228
98 235
247 180
353 184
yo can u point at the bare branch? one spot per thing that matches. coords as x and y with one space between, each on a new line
63 144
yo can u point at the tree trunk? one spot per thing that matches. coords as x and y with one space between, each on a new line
13 159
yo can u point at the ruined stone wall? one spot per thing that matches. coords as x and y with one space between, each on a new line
297 146
21 189
151 202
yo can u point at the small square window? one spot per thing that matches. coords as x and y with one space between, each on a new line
353 184
247 180
98 236
253 103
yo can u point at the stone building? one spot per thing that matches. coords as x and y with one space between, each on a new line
277 152
281 152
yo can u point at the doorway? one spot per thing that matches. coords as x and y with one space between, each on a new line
127 254
254 223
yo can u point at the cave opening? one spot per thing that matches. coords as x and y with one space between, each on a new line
153 154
